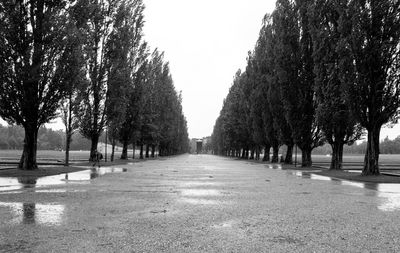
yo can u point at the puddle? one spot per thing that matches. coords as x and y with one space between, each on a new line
227 224
274 166
388 194
198 183
199 201
13 183
35 213
200 192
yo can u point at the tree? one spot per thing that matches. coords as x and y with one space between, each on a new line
333 114
75 80
371 35
96 31
265 55
295 74
126 53
34 45
107 22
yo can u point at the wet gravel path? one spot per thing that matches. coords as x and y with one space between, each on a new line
200 203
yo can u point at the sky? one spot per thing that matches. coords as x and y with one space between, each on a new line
205 43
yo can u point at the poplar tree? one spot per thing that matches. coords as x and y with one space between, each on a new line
371 36
333 114
34 46
295 74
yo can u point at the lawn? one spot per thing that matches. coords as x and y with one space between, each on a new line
383 159
53 155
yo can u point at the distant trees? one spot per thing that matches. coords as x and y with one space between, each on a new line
320 71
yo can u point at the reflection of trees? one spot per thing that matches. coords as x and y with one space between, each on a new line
28 213
371 186
28 182
94 173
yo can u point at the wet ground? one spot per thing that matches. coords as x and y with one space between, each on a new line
196 204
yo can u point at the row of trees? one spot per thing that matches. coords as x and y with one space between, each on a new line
321 71
88 60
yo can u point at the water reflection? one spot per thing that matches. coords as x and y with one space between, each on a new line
33 213
195 201
388 194
17 183
200 192
274 166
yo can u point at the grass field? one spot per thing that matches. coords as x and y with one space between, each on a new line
383 159
53 155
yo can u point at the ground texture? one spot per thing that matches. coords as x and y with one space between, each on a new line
200 203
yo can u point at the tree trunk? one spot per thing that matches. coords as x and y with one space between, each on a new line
141 152
306 157
153 150
124 154
337 156
112 150
371 160
275 154
147 150
289 154
134 150
252 154
68 138
266 157
93 148
243 153
28 158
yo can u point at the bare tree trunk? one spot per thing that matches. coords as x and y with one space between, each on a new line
93 148
252 154
337 156
306 157
113 142
275 154
141 151
289 154
258 153
28 158
147 150
153 150
243 153
371 160
124 154
134 150
266 157
68 138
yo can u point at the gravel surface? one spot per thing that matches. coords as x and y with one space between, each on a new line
201 203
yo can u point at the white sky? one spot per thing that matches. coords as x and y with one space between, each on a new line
206 42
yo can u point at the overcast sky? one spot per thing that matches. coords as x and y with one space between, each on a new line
205 42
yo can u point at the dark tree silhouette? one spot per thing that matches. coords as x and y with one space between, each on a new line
371 35
34 45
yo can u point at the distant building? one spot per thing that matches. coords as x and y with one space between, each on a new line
200 145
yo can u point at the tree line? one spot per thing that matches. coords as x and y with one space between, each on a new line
12 137
88 61
321 72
